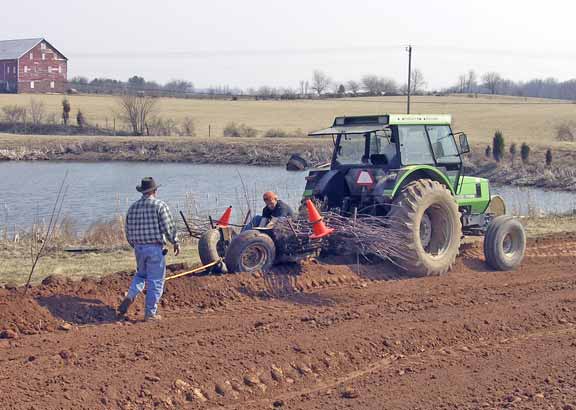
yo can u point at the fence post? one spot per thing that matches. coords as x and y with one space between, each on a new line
209 130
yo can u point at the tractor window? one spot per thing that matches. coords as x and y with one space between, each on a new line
443 144
382 149
351 149
414 145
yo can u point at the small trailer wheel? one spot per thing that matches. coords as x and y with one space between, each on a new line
211 246
504 243
250 251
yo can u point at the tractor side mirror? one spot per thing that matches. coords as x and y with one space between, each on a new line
464 146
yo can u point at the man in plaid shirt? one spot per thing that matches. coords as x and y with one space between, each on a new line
148 224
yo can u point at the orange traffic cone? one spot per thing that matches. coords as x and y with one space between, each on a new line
225 218
320 230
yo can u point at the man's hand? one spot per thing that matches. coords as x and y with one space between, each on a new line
176 249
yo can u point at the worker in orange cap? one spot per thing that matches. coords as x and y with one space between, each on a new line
275 208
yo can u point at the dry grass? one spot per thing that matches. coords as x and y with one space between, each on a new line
15 264
104 242
521 121
549 225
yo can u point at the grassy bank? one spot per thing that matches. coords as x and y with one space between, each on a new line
16 263
250 151
561 174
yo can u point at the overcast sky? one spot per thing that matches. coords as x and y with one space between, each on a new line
255 42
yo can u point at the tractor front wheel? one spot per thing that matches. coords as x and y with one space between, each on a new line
426 219
504 243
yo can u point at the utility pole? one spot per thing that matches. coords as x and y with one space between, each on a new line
409 49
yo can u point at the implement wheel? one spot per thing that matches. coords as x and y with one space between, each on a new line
426 217
251 251
504 243
212 246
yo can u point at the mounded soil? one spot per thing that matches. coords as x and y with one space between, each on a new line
323 335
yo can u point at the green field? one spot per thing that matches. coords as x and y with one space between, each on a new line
521 119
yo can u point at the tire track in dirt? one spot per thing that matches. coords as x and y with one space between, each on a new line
387 362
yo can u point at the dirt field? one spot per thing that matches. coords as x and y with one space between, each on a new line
529 120
324 336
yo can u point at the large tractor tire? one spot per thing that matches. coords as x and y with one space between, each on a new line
504 243
250 251
211 245
426 217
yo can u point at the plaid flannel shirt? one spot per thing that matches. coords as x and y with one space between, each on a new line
149 221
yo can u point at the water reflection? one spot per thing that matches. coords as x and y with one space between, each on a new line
101 189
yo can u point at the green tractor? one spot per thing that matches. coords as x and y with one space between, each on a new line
408 168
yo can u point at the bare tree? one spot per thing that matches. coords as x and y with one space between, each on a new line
136 110
187 127
471 81
461 83
14 113
418 82
320 81
37 111
491 81
179 87
353 86
379 85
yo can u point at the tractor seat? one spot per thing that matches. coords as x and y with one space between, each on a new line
379 159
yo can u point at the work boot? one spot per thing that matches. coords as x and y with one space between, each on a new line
152 318
123 308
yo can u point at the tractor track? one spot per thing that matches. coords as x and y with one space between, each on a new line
331 336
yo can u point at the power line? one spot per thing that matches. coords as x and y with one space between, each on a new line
539 54
459 102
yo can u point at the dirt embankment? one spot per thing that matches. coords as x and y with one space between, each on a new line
321 336
560 175
248 151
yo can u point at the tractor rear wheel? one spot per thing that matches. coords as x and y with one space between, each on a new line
504 243
426 217
250 251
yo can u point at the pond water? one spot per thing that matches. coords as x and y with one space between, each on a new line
99 190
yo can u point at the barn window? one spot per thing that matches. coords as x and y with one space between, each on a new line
51 84
43 56
42 46
31 56
25 68
60 69
31 84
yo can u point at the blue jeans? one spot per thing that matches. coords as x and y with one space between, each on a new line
254 223
151 269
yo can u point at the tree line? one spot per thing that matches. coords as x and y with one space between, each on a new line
493 83
320 84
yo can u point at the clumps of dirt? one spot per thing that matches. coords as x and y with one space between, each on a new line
59 300
22 315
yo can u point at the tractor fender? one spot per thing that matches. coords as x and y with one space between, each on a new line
409 174
324 182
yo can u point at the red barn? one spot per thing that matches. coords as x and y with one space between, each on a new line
31 66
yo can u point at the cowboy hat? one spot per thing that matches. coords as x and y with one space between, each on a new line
147 185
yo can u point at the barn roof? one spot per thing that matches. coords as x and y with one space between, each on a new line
13 49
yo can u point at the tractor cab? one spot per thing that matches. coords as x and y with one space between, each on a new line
373 153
